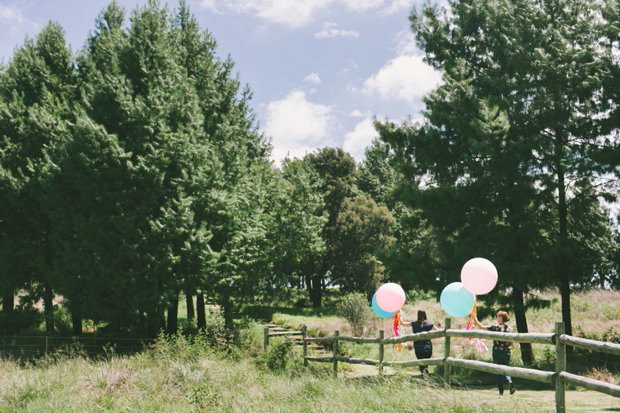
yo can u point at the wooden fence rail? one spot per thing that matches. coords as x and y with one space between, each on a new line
558 378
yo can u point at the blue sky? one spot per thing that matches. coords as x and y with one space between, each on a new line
319 69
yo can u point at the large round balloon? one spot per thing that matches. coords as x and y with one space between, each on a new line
390 297
378 311
479 276
456 300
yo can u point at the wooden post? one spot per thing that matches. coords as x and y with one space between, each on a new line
380 365
265 338
304 330
447 372
46 343
335 352
560 366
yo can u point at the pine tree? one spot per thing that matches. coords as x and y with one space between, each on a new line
37 94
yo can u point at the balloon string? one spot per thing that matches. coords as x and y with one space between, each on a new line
480 345
396 329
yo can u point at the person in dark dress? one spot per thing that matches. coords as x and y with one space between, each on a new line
423 348
501 349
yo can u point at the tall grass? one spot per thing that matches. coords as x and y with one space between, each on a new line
178 374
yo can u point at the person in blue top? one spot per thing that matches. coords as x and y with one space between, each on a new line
423 348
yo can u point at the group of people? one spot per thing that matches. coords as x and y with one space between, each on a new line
501 349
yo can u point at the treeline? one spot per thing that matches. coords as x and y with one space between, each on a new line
134 173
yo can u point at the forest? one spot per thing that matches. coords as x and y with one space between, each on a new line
133 173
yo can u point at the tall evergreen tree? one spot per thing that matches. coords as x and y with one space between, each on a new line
337 171
37 95
540 67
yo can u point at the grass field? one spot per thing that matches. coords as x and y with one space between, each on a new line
175 375
182 377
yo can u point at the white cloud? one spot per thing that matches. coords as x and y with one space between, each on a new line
297 126
14 18
398 5
11 14
405 43
356 141
209 4
291 13
352 66
312 78
404 78
297 13
330 30
356 114
362 5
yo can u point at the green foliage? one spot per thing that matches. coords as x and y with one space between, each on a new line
18 321
585 360
506 147
363 230
354 308
150 176
336 170
278 355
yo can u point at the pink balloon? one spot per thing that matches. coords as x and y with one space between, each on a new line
479 276
390 297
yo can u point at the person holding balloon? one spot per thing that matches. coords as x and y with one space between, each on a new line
423 348
501 349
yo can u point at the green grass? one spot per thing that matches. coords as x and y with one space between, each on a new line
594 312
180 376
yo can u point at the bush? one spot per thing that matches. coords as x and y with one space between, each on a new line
354 308
278 355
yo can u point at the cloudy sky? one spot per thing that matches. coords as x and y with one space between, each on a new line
319 69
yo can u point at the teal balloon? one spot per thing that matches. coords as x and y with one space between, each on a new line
456 300
378 311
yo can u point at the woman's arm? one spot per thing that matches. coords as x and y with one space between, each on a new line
480 326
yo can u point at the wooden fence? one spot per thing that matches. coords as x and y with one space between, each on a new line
558 379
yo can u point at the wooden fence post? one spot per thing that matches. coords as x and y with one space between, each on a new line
265 338
380 365
304 330
335 352
560 365
447 372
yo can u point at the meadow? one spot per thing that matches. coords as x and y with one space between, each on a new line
205 374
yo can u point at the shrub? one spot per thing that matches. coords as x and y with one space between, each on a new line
354 308
278 355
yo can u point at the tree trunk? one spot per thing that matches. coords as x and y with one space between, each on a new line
521 319
316 291
153 321
76 321
48 308
562 268
173 315
8 301
228 314
189 301
201 317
